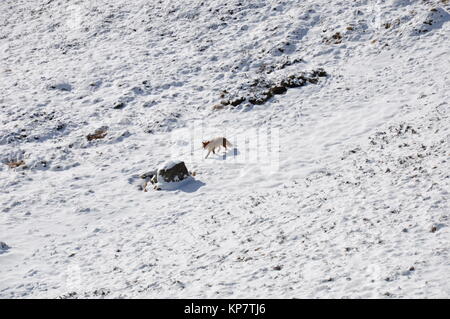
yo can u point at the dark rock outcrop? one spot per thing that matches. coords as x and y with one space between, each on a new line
172 171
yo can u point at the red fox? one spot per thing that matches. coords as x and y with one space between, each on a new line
217 142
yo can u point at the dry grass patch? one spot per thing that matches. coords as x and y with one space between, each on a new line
98 134
15 163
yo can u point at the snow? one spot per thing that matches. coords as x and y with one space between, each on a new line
349 199
169 164
163 185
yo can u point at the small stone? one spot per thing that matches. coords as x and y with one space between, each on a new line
237 101
277 268
3 247
149 174
119 106
61 87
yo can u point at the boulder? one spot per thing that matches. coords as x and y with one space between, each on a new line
170 175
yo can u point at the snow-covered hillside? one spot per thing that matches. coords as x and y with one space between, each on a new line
350 200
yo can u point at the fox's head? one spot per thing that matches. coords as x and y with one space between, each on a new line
205 143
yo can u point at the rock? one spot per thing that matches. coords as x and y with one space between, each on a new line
61 87
237 101
170 175
119 106
260 90
277 268
172 171
436 227
279 89
320 73
431 20
262 98
294 81
3 247
148 175
148 178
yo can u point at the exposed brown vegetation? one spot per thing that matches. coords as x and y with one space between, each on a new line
334 39
15 164
98 134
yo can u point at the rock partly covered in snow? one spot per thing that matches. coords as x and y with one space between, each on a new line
3 247
429 20
170 175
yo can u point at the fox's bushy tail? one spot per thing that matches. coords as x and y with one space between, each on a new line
226 143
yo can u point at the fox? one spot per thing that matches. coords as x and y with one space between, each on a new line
217 142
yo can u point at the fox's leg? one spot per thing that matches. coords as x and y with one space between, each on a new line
207 154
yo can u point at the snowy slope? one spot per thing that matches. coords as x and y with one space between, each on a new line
354 203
